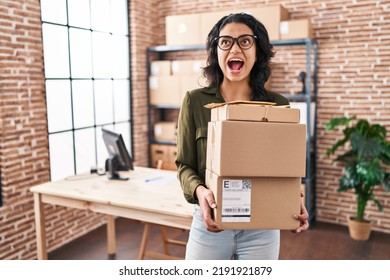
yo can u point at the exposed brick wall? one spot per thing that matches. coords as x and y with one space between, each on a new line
354 64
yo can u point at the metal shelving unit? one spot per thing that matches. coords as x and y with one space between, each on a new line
308 97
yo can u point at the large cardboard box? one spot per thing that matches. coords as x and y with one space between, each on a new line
296 29
183 30
247 148
255 202
208 20
249 111
270 16
187 67
165 90
160 68
165 131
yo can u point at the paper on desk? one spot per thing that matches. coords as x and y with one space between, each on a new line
158 179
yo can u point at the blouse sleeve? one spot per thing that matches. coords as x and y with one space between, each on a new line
186 159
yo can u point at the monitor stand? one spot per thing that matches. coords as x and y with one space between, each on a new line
112 166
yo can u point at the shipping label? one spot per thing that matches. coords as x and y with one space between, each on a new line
236 200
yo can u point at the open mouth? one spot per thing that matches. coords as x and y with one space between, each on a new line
235 64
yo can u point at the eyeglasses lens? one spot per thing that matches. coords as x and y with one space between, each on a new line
244 42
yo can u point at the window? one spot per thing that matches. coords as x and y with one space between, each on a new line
87 75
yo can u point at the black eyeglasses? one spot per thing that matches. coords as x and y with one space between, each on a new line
245 41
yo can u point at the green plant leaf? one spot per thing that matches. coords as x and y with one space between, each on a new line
377 203
370 172
337 122
365 146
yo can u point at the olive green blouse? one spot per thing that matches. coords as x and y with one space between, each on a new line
192 136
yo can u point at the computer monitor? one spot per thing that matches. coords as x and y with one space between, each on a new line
119 158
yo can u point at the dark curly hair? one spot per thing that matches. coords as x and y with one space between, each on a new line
261 69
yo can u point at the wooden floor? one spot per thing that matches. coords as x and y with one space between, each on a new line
322 242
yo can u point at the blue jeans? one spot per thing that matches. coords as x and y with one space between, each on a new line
230 244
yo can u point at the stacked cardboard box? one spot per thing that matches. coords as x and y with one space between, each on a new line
164 88
256 156
194 28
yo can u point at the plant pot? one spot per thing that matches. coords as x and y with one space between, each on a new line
359 230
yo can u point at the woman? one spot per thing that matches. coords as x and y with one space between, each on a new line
239 53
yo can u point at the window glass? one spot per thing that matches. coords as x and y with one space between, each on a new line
58 99
101 55
85 152
121 100
80 53
119 22
53 11
83 103
79 15
103 102
55 50
100 15
120 57
61 155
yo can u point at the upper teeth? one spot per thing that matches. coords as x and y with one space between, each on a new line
235 59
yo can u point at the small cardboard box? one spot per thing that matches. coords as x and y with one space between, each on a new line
255 202
165 131
296 29
160 68
165 90
259 149
270 16
164 153
183 30
249 111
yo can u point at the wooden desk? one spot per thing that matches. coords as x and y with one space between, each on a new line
150 195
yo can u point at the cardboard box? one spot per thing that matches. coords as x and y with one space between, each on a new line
187 67
208 20
258 149
295 29
270 16
165 131
165 90
160 68
248 112
255 202
183 30
164 153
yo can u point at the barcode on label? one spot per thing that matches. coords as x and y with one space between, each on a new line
236 210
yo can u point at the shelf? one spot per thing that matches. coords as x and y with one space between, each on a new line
156 106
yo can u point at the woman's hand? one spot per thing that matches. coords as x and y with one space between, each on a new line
206 204
303 218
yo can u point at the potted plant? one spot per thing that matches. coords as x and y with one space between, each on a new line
365 159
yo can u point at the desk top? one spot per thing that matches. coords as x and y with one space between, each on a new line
147 189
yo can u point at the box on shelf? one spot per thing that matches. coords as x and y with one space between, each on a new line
160 68
255 202
187 67
165 131
270 16
208 20
248 111
296 29
183 30
165 153
165 90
